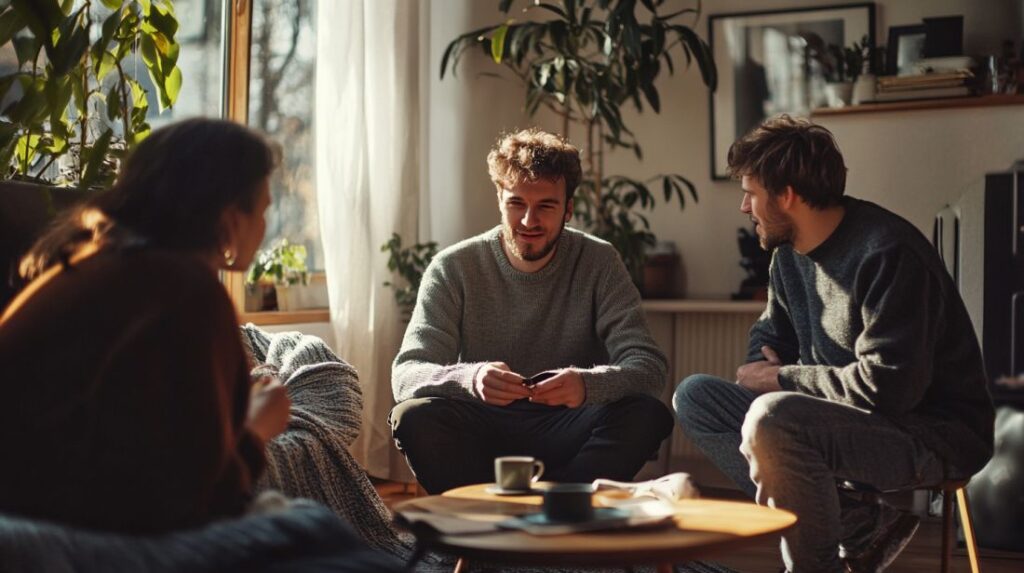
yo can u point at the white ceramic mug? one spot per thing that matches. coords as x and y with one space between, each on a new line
517 473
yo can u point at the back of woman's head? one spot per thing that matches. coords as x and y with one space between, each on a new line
170 193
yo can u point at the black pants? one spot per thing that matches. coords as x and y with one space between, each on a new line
450 442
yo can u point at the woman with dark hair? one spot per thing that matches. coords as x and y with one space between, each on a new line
127 400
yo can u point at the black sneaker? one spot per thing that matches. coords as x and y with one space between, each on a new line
892 537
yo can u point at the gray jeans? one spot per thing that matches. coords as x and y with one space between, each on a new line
787 450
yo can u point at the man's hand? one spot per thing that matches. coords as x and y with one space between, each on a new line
762 376
497 385
269 407
564 389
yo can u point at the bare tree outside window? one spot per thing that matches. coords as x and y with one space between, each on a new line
282 72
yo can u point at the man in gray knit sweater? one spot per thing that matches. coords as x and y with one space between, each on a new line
864 366
527 297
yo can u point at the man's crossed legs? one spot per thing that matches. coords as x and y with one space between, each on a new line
450 442
787 450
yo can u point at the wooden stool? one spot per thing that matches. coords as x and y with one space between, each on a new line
949 489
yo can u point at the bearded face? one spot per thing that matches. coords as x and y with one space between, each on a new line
533 215
773 226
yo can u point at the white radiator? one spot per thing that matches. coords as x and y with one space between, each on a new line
698 341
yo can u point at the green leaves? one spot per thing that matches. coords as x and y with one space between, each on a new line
699 50
584 60
78 99
284 264
94 158
498 43
409 263
41 16
11 22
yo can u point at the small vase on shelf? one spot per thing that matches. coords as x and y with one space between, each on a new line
839 93
864 89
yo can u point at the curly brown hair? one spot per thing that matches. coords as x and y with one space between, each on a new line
533 154
786 151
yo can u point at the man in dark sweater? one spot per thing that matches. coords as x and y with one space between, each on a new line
864 366
528 296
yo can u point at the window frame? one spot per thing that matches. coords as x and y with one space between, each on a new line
238 32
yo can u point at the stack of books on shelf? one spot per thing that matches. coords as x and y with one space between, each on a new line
942 84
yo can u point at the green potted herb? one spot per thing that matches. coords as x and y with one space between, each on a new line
282 266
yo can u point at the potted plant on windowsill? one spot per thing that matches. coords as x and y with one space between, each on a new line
587 61
282 267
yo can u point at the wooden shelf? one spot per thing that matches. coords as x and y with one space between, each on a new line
290 317
953 102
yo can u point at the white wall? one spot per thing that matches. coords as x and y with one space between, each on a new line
911 162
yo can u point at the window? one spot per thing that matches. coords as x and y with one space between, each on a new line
270 86
201 60
281 103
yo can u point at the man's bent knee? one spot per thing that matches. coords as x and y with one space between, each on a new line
692 392
418 417
772 421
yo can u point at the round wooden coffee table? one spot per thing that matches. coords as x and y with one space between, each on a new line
702 527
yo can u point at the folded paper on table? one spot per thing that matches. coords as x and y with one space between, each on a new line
671 488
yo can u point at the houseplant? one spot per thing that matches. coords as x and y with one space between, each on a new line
587 61
283 266
840 66
72 105
409 263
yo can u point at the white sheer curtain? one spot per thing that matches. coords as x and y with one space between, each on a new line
367 161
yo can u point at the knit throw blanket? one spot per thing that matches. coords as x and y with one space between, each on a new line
311 458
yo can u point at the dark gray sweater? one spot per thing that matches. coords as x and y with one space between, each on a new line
871 319
580 310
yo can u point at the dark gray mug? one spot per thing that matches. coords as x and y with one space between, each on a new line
569 502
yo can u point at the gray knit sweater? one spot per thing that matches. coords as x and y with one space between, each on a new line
580 310
870 318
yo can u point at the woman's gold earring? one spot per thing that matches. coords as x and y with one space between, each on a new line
230 256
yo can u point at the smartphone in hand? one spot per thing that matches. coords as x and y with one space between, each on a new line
538 378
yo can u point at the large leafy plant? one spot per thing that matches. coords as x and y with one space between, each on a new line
587 61
74 100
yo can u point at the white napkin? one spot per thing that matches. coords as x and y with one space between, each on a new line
671 488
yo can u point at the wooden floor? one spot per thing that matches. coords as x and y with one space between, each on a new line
922 555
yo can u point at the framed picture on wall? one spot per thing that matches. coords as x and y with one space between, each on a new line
764 68
905 48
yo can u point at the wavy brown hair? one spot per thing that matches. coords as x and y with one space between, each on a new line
533 154
786 151
170 194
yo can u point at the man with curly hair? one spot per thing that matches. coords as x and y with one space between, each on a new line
530 296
